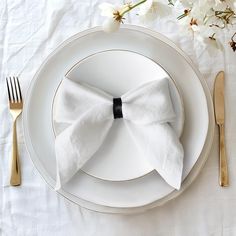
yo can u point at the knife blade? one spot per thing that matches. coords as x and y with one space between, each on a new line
219 103
219 98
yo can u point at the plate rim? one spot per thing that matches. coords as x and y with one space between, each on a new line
206 147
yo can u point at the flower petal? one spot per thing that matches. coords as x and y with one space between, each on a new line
145 7
111 25
107 9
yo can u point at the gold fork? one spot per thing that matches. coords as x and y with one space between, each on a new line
16 105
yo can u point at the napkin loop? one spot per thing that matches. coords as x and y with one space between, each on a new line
117 108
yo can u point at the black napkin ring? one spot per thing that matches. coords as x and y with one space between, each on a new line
117 108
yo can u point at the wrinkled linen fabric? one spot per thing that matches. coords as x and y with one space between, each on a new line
87 114
29 31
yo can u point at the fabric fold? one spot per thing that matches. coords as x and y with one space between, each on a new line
88 114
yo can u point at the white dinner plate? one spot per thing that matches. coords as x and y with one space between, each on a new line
118 158
141 193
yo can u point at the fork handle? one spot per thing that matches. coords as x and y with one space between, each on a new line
224 176
15 166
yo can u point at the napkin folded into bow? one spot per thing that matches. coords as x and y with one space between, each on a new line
85 114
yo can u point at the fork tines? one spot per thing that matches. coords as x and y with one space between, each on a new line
13 88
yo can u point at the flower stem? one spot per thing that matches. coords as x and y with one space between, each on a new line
130 7
186 12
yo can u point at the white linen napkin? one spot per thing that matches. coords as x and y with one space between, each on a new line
84 116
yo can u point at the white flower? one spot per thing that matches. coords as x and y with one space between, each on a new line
151 9
201 9
111 25
146 7
187 3
205 36
113 16
203 33
212 46
107 9
188 23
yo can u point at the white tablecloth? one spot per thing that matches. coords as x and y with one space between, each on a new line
29 31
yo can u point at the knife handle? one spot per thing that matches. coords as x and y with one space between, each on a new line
224 176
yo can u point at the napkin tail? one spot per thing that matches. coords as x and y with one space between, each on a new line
77 144
161 147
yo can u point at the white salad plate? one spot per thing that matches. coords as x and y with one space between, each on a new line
118 159
137 194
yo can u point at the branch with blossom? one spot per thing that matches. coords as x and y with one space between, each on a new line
204 19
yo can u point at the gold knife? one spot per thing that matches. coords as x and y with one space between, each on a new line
219 102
